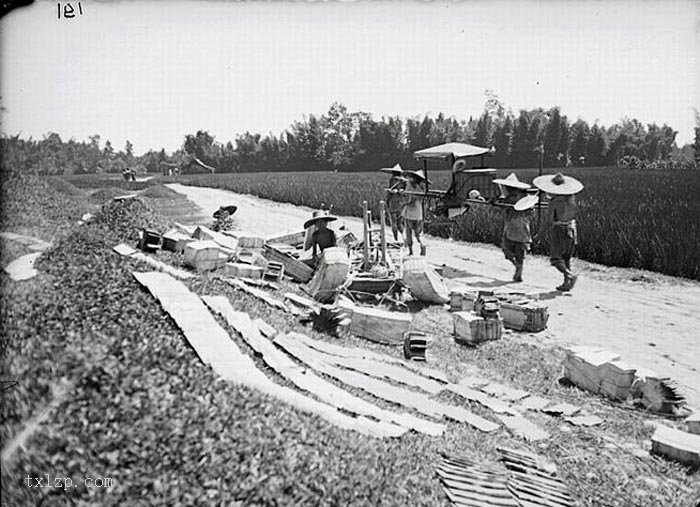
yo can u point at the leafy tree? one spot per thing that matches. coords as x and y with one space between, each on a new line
578 147
482 134
552 138
596 149
502 142
521 150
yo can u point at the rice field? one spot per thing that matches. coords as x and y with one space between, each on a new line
627 218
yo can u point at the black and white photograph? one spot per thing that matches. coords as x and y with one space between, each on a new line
350 253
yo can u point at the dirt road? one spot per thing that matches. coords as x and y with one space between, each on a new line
651 320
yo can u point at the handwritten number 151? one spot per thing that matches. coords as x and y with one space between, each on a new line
68 11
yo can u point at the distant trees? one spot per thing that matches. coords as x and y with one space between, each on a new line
343 140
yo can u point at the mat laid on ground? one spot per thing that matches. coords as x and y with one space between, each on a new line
216 348
263 296
525 482
306 379
379 388
342 351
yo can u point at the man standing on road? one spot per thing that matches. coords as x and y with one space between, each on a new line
516 238
394 200
562 213
412 211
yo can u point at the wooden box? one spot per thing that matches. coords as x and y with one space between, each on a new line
331 273
254 257
584 367
294 239
273 271
423 281
462 300
616 379
524 315
692 423
204 255
292 267
250 242
227 242
175 241
379 325
677 445
470 329
243 270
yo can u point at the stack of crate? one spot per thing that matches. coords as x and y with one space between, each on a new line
480 323
520 313
599 371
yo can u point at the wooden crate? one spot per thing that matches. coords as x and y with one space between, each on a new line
176 241
250 242
462 300
676 444
294 239
205 256
254 257
524 315
292 267
379 325
371 284
423 281
692 423
273 271
616 379
586 369
243 270
469 328
204 233
331 273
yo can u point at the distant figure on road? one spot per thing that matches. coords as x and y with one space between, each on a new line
394 200
412 211
322 237
517 238
562 213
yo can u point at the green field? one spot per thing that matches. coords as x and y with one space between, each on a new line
640 219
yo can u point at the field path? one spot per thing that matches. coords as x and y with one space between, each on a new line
652 320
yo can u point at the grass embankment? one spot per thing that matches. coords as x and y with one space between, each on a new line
143 410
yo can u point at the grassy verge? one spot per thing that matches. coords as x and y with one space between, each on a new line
145 412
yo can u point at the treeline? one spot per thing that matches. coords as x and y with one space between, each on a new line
340 140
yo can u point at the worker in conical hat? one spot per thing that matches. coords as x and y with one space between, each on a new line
516 239
322 237
412 211
562 213
394 199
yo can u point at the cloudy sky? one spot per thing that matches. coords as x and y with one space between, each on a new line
152 72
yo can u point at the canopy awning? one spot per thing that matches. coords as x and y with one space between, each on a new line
458 150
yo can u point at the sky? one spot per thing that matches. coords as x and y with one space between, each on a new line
154 71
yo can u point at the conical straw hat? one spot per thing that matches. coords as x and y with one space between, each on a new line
558 184
512 181
319 216
396 169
